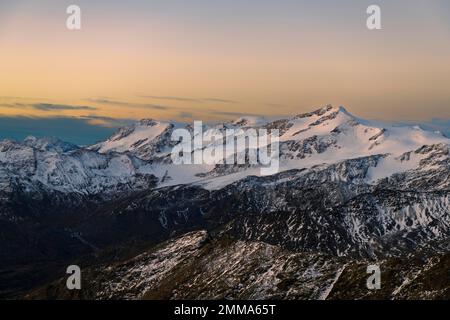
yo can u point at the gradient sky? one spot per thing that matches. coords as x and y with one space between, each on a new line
214 60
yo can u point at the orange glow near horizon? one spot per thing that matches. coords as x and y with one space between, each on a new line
178 69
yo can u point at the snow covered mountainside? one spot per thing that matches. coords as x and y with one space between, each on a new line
325 136
135 154
347 190
49 164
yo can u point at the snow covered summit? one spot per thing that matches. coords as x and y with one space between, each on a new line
136 153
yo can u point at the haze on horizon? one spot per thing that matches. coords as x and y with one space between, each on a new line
218 60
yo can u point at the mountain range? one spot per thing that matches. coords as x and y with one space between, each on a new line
349 192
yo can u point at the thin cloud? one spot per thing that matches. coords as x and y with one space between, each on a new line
185 115
172 98
220 100
23 98
185 99
129 104
14 105
46 106
59 107
107 121
233 114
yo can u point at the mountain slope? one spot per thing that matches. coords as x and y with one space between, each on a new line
348 190
36 164
145 139
196 266
325 136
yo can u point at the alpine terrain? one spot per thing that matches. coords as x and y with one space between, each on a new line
349 193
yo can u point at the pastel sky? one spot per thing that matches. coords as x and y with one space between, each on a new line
218 60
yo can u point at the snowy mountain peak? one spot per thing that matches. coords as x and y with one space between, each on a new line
323 137
134 138
148 122
49 144
338 127
249 121
142 125
320 112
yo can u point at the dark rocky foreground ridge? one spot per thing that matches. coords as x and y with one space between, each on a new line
198 266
